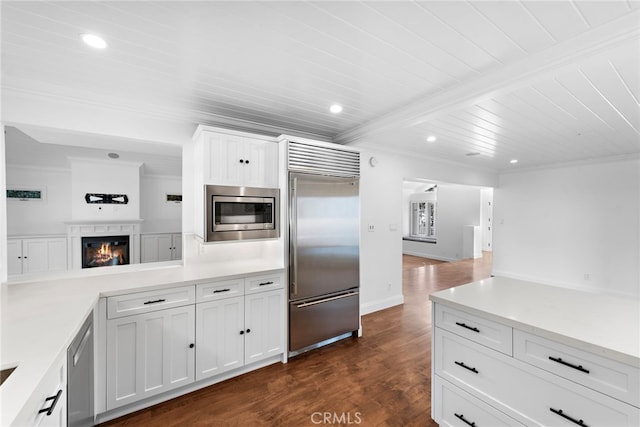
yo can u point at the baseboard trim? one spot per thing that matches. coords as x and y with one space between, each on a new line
430 256
378 305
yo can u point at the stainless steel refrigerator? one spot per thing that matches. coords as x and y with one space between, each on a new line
324 267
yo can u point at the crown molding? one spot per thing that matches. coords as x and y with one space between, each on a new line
509 77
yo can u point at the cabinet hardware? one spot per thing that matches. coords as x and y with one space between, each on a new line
246 162
474 370
241 332
562 362
217 291
248 330
573 420
464 325
461 417
265 283
155 301
191 345
55 398
241 160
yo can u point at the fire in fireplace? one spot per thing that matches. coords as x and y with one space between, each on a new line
105 251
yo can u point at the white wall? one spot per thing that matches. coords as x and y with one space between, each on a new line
160 216
94 176
457 206
39 217
48 216
382 205
575 226
3 207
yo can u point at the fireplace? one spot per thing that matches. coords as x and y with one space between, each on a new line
103 251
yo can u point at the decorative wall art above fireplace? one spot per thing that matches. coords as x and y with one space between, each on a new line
106 199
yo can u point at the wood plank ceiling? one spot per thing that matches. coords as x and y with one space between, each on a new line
539 81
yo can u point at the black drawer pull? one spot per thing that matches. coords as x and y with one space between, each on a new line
217 291
461 416
55 398
155 301
464 325
265 283
573 420
474 370
562 362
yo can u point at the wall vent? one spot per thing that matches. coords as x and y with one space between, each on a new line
319 160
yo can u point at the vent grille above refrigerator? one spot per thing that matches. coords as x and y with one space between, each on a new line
323 160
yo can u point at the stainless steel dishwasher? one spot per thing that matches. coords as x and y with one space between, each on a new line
80 411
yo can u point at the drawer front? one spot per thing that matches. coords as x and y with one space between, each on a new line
219 290
483 331
605 375
263 283
531 395
145 302
456 407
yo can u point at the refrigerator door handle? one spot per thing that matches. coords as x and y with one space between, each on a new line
308 304
294 238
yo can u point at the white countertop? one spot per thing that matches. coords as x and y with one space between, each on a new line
40 319
599 323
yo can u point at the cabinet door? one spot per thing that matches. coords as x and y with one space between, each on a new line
223 154
35 256
264 325
156 247
57 254
149 354
242 161
14 256
262 169
177 246
220 336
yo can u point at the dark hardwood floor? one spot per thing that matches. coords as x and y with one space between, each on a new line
380 379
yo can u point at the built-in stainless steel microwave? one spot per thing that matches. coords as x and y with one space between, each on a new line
241 213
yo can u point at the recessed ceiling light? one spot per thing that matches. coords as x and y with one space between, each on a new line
473 153
513 161
94 41
114 155
431 138
335 108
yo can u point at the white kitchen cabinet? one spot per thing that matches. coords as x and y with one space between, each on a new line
233 331
149 353
47 406
161 247
487 370
233 158
264 329
220 336
36 255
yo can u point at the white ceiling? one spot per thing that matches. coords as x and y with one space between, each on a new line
541 81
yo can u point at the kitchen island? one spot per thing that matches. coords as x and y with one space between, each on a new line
41 318
510 352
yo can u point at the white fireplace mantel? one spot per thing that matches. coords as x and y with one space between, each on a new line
77 229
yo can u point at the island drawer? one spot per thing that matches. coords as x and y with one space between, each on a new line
599 373
145 302
263 283
219 290
456 407
541 398
483 331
